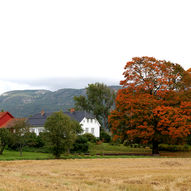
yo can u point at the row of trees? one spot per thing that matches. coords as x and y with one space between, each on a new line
60 133
16 135
154 104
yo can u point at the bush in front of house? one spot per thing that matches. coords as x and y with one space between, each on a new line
32 140
105 137
91 138
80 145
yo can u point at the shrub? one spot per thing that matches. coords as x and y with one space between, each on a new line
41 139
31 140
127 142
91 138
80 145
105 137
188 140
117 142
174 148
99 142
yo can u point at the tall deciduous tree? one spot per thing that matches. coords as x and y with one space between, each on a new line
20 133
152 106
99 100
189 70
61 132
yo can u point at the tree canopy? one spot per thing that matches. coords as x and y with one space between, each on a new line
61 132
20 133
153 106
99 100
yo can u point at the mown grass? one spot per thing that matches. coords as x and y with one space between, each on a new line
108 148
94 150
15 155
105 148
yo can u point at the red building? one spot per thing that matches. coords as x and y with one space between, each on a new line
6 119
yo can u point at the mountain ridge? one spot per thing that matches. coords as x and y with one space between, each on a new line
24 103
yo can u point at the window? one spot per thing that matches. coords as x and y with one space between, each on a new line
87 120
86 130
92 131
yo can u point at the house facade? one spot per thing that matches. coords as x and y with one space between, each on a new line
88 121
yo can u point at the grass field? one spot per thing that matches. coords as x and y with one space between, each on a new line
145 174
107 148
14 155
94 149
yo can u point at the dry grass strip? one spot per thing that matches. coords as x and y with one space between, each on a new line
145 174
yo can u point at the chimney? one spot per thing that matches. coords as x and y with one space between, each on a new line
42 113
72 110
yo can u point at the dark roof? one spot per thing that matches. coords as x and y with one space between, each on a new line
38 120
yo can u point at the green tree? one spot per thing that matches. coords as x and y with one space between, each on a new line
20 134
99 100
61 132
5 137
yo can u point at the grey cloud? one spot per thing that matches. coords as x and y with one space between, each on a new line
59 83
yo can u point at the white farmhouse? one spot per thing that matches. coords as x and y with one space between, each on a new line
88 122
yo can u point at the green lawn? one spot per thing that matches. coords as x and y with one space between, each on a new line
107 148
94 149
14 155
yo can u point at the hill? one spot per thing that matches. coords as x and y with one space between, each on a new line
23 103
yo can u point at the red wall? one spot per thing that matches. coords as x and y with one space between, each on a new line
4 119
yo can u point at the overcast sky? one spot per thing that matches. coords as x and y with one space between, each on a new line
56 44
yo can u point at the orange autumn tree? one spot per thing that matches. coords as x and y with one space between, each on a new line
151 107
189 70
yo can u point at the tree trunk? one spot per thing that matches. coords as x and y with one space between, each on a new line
57 156
20 150
155 150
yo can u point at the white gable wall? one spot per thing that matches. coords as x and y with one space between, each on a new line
91 126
